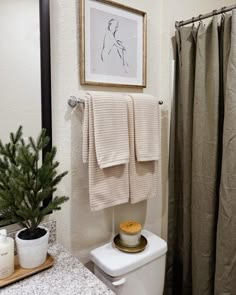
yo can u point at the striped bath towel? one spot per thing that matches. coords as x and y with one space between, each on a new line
108 186
110 115
147 127
144 176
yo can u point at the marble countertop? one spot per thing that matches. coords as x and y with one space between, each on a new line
68 277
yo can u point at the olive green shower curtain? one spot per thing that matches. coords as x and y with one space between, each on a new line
201 256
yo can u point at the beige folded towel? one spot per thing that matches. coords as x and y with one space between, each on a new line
85 142
109 186
144 176
147 129
111 129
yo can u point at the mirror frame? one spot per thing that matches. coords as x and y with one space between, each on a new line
45 65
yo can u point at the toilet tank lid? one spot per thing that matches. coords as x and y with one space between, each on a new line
116 263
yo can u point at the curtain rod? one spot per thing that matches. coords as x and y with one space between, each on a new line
179 24
73 101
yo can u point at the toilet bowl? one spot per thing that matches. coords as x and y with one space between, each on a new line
132 274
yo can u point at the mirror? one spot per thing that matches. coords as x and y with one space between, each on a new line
25 74
25 92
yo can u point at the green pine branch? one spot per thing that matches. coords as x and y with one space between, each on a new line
25 183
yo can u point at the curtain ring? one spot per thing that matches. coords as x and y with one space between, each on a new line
214 12
223 10
199 18
223 14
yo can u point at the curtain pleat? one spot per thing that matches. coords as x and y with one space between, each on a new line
179 241
225 279
201 257
205 155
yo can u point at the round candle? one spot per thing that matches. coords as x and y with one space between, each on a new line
130 233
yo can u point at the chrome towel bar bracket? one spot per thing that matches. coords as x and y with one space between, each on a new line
73 101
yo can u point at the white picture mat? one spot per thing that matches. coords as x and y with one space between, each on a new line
138 79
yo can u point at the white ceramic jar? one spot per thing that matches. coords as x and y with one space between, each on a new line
130 233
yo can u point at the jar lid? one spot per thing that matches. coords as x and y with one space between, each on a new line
130 227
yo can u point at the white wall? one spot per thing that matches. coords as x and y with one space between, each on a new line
79 229
20 87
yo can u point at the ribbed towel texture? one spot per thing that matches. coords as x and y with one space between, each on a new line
144 177
109 186
111 130
110 148
147 129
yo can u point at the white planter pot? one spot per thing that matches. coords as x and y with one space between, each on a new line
32 253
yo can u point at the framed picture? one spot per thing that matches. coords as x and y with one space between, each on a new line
112 44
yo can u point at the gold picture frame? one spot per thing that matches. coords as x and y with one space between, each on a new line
106 60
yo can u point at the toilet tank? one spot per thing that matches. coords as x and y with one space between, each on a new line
132 274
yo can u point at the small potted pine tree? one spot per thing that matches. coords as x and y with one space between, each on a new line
25 183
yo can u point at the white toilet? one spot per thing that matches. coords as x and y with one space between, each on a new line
132 274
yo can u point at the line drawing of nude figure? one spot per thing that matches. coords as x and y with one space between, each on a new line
110 43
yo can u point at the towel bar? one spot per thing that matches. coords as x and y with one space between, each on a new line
73 101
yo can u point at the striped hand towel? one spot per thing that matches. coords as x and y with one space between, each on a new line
111 129
144 176
109 186
147 129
